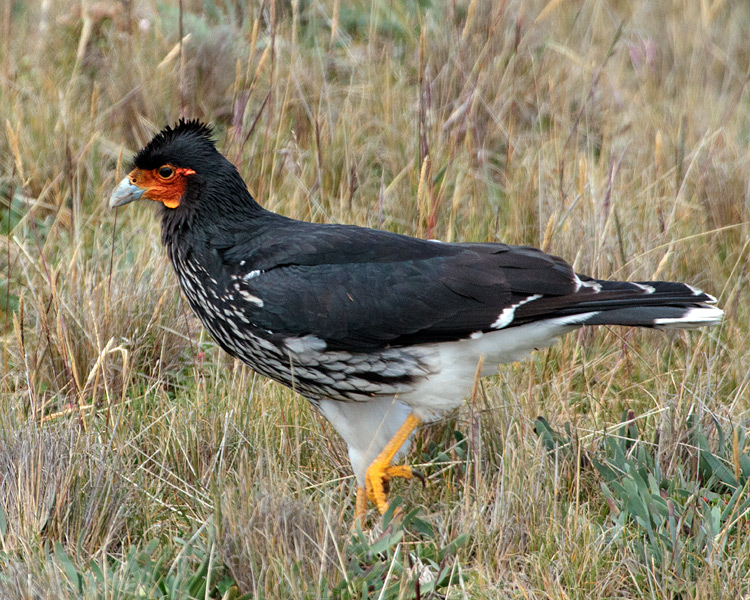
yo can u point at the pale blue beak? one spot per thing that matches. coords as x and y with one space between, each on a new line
124 193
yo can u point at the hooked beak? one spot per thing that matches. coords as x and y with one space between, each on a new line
124 193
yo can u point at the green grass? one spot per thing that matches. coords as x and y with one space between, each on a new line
138 461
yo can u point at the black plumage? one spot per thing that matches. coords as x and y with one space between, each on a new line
344 313
361 289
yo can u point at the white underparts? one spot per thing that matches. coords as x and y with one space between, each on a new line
366 427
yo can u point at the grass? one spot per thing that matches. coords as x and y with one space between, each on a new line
138 461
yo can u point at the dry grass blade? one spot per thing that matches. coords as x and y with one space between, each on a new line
613 134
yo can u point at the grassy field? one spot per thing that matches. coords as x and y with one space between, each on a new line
138 461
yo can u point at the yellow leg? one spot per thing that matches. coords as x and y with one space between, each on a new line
360 508
380 472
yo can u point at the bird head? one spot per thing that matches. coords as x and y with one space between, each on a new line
191 182
177 159
181 169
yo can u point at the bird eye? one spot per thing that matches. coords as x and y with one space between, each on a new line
166 172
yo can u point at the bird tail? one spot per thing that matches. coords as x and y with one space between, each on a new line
655 304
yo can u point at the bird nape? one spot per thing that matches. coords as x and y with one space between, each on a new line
379 331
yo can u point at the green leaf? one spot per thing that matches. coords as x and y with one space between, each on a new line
386 541
393 505
733 510
451 548
721 445
412 520
607 472
96 572
718 469
545 433
745 466
635 504
74 578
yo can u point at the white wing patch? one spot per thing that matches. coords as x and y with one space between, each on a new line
589 284
250 298
698 316
697 292
646 288
505 318
572 319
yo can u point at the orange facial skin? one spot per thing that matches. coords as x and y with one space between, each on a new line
165 184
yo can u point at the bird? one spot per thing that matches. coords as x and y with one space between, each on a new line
380 331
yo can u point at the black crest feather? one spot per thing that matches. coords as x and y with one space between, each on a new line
185 131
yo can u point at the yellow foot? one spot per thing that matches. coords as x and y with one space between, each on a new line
378 482
381 471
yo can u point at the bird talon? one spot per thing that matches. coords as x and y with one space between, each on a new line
419 475
378 481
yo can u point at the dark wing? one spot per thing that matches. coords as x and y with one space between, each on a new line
360 289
